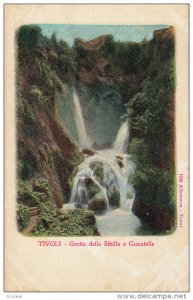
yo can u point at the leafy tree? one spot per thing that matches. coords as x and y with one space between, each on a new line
29 37
140 152
23 216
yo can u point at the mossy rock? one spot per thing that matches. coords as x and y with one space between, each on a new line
98 203
88 152
114 197
120 163
93 188
97 167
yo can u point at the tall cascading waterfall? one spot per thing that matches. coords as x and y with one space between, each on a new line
117 169
84 141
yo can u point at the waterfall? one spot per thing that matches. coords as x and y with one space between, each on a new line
122 139
114 178
80 193
83 138
108 173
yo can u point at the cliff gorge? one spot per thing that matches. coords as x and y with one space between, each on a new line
115 81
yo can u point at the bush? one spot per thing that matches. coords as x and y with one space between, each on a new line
55 222
24 111
33 194
28 163
140 152
110 45
51 80
37 96
23 216
28 38
93 189
41 185
29 197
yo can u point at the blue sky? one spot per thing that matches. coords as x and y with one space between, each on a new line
123 33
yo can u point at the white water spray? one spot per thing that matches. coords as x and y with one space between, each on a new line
80 193
117 169
122 139
83 138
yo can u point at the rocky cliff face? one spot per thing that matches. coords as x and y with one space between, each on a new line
163 35
101 60
45 150
92 45
109 74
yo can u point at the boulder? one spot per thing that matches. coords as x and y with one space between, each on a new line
119 157
97 167
120 163
88 152
113 196
92 187
98 203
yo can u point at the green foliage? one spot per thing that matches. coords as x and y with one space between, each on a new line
82 54
156 186
28 162
29 37
53 57
132 57
110 45
27 196
24 111
48 212
23 216
140 152
53 41
37 96
66 64
41 185
63 59
50 77
152 150
150 109
55 222
165 51
93 189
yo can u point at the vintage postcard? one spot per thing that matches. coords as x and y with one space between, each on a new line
96 148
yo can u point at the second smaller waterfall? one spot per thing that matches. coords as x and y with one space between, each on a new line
122 139
88 184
